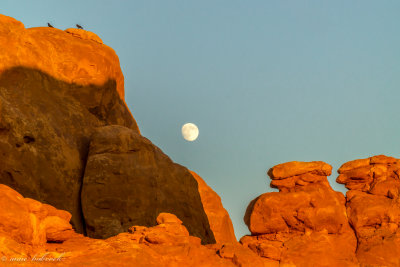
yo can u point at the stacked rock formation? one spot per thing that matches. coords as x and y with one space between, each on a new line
305 224
373 208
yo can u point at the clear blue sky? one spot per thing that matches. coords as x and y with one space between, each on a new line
266 81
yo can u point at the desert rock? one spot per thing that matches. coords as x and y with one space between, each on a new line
305 224
55 89
168 243
373 208
294 175
218 217
27 225
129 181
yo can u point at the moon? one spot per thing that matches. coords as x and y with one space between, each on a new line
190 131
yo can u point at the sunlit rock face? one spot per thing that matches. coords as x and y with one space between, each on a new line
71 56
305 224
218 217
26 224
373 208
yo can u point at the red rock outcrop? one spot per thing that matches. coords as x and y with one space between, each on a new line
373 208
72 56
305 224
218 217
24 238
26 224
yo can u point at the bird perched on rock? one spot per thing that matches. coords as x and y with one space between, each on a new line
79 26
51 26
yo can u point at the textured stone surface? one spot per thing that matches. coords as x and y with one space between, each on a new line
294 175
26 224
70 56
218 217
129 181
166 244
79 33
54 90
295 168
373 208
378 175
305 224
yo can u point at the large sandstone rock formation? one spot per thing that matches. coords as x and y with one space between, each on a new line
35 233
373 208
57 89
305 224
54 90
129 181
218 217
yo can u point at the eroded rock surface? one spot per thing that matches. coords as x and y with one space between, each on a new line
27 224
26 237
129 181
305 224
373 208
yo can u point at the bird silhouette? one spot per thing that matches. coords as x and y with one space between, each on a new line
51 26
79 26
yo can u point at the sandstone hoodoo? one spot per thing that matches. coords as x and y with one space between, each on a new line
305 224
373 208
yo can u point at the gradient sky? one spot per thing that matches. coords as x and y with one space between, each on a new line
265 81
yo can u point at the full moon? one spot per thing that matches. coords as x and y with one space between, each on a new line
190 131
